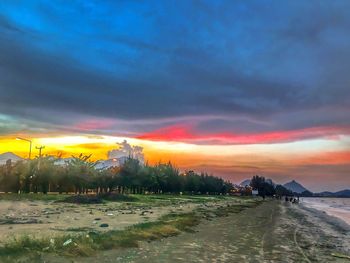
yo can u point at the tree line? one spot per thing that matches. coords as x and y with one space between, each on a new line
79 175
267 188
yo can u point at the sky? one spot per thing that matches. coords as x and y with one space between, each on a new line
233 88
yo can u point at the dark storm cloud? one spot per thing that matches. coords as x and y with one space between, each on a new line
252 64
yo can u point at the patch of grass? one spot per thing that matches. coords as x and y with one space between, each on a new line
160 200
17 221
234 208
32 197
118 197
82 199
87 244
78 229
98 199
154 199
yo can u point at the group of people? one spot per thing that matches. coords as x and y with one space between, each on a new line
292 199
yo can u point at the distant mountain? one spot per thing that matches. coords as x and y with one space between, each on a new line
245 182
343 193
4 157
295 187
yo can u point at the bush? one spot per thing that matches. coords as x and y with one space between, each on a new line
117 197
82 199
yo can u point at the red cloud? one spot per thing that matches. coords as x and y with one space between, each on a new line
190 134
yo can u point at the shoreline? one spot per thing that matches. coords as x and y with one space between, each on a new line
329 218
321 236
319 205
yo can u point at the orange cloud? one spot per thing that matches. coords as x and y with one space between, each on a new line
325 158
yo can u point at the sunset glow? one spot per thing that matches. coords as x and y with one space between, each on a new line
282 161
210 91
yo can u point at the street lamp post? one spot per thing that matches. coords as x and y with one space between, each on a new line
30 145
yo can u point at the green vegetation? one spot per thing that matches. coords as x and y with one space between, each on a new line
32 197
78 175
86 244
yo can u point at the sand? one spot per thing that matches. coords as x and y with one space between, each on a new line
273 232
48 219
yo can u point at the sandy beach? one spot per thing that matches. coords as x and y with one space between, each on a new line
274 231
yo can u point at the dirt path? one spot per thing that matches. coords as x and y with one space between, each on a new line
271 232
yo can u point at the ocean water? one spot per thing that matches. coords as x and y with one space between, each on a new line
337 207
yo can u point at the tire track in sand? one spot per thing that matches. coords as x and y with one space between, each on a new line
262 251
298 246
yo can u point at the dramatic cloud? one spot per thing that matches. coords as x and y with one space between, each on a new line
227 73
126 150
229 59
190 134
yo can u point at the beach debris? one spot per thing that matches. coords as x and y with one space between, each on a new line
130 212
46 248
110 214
52 241
67 242
338 255
15 221
104 225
